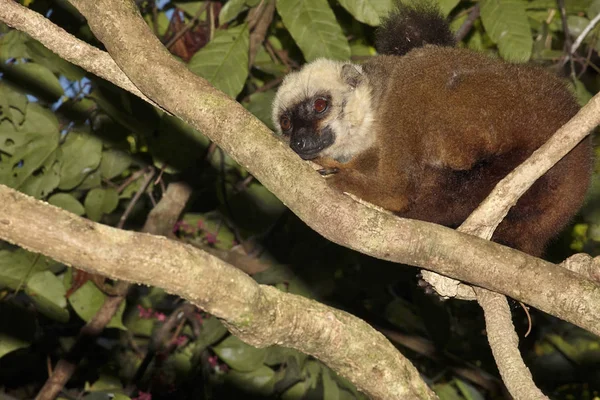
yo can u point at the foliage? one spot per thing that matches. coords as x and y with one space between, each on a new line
79 143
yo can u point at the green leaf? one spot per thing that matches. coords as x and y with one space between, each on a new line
18 265
87 300
593 9
93 180
239 355
67 202
192 8
18 329
37 76
114 163
506 23
581 93
446 6
48 294
40 121
9 344
33 168
13 45
368 11
106 395
100 201
330 387
13 104
162 22
313 26
577 24
53 62
212 331
231 9
259 381
260 105
81 154
296 392
224 61
468 391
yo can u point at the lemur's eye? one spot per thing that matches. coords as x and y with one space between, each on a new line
320 105
285 123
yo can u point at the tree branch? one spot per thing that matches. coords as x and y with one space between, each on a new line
260 315
337 217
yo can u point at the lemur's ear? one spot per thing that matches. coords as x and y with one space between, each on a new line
352 74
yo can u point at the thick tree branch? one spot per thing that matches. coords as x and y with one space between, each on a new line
259 315
339 218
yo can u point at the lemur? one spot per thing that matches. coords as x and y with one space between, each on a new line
426 130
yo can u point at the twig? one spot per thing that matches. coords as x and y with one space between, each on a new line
187 26
468 24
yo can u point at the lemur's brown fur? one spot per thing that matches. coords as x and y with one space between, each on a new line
450 124
426 131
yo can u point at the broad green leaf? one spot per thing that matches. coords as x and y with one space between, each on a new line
9 344
212 331
33 168
577 24
104 383
330 387
100 201
468 391
93 180
296 392
192 8
37 76
593 9
162 21
506 23
231 9
313 26
279 355
81 154
368 11
48 294
265 63
114 162
106 395
11 138
67 202
18 327
447 391
362 50
40 121
446 6
53 62
239 355
260 105
581 93
87 300
224 60
13 104
259 380
13 45
18 265
571 6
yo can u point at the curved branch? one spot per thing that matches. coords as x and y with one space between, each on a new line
259 315
335 216
66 45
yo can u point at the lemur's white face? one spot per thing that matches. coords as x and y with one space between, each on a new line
324 110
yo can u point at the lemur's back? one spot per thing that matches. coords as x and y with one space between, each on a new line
463 121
